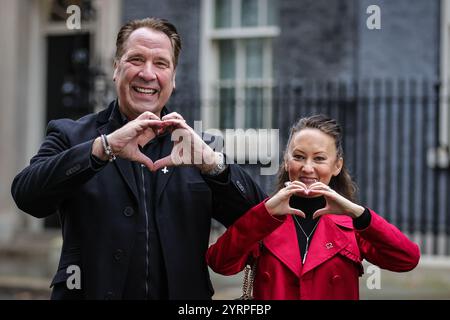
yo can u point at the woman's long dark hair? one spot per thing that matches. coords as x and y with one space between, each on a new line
342 183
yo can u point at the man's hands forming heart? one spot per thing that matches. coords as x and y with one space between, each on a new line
189 148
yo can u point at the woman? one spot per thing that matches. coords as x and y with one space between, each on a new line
310 238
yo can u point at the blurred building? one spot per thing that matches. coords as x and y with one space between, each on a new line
254 64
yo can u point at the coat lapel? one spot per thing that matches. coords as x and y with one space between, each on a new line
124 166
126 171
327 240
164 174
283 243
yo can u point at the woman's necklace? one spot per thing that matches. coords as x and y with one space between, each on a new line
307 236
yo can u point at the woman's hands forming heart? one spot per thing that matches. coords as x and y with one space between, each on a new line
335 203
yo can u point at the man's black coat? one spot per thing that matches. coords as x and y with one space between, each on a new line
98 209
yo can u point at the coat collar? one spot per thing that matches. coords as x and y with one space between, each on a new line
327 241
109 121
106 115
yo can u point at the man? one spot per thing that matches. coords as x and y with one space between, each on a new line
136 225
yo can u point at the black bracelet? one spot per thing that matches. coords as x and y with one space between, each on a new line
107 148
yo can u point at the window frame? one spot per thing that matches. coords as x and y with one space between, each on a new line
439 157
209 55
444 132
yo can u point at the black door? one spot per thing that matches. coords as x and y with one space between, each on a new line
68 83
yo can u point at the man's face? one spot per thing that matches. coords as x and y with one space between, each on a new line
145 74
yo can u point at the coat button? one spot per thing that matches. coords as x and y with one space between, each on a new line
240 186
73 170
118 255
128 211
266 276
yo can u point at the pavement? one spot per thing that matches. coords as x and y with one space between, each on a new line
27 266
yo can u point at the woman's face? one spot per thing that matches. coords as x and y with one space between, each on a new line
312 157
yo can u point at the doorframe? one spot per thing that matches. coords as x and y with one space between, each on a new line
103 33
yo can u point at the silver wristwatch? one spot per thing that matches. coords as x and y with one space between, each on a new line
220 167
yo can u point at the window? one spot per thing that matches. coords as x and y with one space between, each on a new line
239 36
440 156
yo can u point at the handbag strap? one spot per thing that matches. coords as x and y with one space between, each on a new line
247 284
249 277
